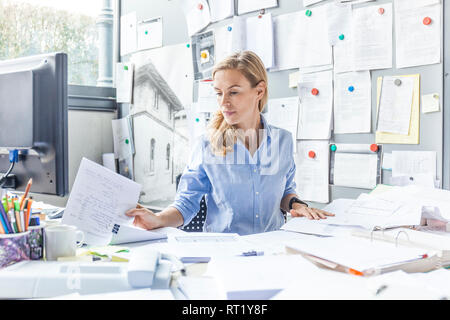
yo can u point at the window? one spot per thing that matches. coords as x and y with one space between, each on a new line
152 155
168 157
32 27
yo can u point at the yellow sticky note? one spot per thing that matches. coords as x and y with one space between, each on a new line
413 136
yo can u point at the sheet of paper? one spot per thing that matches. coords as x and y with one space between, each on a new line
259 38
372 37
196 122
418 41
287 35
239 34
245 6
310 2
306 226
221 9
423 180
207 98
315 91
124 82
387 161
99 199
122 138
197 15
149 34
352 102
355 170
414 128
394 114
128 33
312 172
339 18
343 55
314 49
409 163
430 103
223 37
403 5
283 113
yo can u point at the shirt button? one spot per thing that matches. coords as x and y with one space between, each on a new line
257 192
256 216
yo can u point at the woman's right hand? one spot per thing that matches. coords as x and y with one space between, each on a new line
144 218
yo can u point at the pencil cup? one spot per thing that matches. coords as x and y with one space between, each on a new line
14 248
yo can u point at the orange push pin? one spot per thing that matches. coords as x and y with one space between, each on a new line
381 11
311 154
314 92
204 55
374 147
427 21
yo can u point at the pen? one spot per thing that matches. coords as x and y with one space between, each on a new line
252 253
29 211
12 219
4 215
17 215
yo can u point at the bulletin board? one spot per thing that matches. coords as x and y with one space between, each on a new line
432 80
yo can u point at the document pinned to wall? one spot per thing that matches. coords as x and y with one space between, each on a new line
410 163
283 113
197 15
245 6
310 2
430 103
196 123
339 19
314 49
207 97
221 9
287 37
124 82
315 92
149 34
417 33
122 138
372 37
223 40
312 173
352 102
99 199
355 165
128 33
414 127
343 55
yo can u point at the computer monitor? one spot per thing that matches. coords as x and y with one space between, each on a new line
33 120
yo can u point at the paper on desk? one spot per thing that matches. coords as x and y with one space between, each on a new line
430 103
417 43
352 102
339 18
314 49
394 114
221 9
124 82
410 163
315 114
128 33
197 15
99 199
149 34
245 6
306 226
283 113
312 172
287 35
355 170
122 138
372 37
413 136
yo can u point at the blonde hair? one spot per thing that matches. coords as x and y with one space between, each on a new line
222 136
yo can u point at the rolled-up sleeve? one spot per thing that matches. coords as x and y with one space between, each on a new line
290 176
194 183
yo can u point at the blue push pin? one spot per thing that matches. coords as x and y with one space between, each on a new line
351 88
229 28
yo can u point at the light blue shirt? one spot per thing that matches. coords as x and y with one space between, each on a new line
243 193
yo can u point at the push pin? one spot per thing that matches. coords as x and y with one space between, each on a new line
229 28
427 21
200 6
314 92
381 11
351 88
333 147
311 154
374 147
308 13
398 82
341 37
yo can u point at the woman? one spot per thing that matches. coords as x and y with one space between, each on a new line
244 166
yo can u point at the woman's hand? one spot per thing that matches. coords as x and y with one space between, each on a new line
300 210
144 218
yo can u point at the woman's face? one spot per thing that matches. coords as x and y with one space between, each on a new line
237 100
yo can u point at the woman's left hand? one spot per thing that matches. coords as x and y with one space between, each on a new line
300 210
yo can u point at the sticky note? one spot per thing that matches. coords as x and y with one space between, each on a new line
430 103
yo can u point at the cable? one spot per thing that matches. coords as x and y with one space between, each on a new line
13 158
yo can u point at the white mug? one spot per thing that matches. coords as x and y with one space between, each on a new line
61 241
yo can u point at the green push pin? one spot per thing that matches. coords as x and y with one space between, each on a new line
333 147
146 32
308 13
125 67
197 119
188 45
127 141
341 37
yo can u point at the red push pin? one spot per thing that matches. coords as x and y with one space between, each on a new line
311 154
427 21
381 10
260 16
374 147
200 6
314 92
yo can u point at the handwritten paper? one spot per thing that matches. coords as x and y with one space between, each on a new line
99 199
287 37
